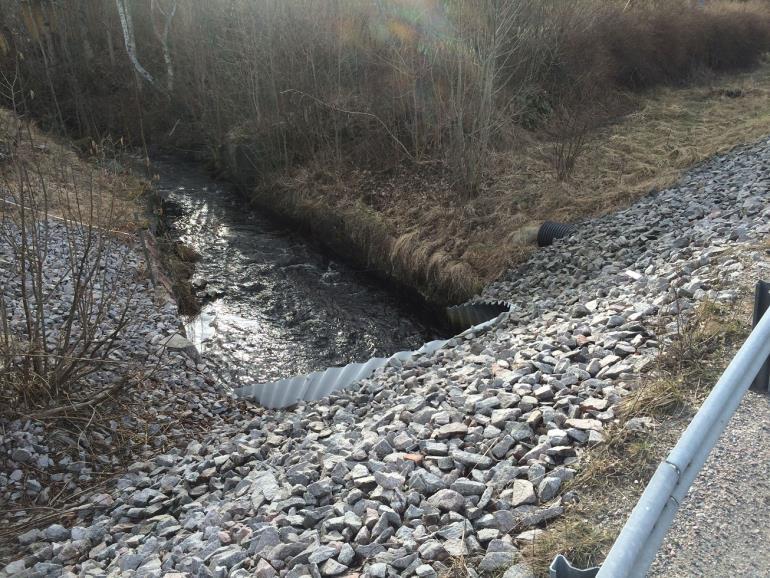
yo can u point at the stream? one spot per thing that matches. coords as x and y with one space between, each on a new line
273 305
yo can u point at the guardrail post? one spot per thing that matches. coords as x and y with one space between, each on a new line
561 568
761 304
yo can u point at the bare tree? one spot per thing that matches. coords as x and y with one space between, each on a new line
162 35
127 25
477 107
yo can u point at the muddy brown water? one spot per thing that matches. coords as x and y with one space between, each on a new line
274 305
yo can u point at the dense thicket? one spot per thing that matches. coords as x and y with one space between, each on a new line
262 84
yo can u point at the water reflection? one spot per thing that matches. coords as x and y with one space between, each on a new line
274 306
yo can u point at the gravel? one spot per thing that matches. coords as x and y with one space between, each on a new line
463 452
723 525
166 385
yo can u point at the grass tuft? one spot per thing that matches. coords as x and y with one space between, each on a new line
578 538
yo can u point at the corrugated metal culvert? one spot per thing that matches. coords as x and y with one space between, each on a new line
467 315
319 384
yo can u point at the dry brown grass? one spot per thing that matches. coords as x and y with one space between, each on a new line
648 149
62 172
450 250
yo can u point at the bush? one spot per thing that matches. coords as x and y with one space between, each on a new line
280 82
66 282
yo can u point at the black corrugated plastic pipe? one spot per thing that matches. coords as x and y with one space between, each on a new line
549 231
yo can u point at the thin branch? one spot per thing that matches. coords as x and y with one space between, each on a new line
92 402
163 38
354 112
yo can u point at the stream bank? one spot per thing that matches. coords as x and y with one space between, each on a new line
271 304
409 224
466 453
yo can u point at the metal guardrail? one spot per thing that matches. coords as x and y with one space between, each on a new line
638 542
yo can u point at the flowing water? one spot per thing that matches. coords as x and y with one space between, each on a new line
273 304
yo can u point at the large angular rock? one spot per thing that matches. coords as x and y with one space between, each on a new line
177 342
451 430
56 533
522 492
548 488
264 570
389 480
447 501
332 568
494 561
584 424
426 482
472 459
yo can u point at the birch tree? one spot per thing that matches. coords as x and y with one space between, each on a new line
162 35
127 25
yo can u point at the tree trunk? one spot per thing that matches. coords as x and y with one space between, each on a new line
168 17
128 36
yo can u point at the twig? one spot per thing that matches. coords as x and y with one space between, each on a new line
97 399
50 216
354 112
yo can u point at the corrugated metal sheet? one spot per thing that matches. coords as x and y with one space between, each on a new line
470 314
319 384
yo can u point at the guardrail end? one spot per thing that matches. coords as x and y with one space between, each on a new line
761 304
561 568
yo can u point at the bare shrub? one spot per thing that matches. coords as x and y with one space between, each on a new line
570 132
263 86
67 284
